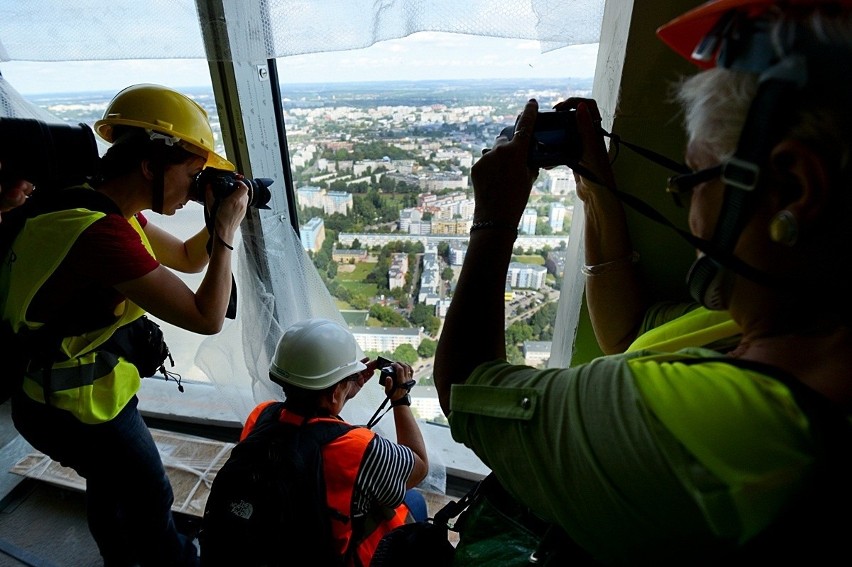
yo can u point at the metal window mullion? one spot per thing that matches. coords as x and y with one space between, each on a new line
246 98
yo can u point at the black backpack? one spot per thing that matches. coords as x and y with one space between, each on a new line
267 504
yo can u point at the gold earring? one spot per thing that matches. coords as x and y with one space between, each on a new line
784 229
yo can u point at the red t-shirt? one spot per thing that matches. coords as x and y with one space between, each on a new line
107 253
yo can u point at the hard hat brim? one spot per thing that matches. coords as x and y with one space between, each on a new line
686 31
104 129
314 382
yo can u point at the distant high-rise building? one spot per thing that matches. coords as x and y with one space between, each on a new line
422 227
385 339
528 221
310 196
313 234
337 202
450 226
561 181
408 216
458 251
537 353
557 216
397 270
529 276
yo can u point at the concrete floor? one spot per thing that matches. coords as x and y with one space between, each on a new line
40 525
43 525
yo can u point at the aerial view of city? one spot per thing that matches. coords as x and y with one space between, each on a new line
381 174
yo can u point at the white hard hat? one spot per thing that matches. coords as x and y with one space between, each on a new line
315 354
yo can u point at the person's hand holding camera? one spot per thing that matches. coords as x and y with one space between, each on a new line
397 382
594 156
229 209
502 180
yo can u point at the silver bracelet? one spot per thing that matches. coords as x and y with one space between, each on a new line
611 266
480 225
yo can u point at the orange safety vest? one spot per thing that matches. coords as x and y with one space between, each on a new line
341 463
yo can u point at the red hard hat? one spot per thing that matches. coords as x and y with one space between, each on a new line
686 32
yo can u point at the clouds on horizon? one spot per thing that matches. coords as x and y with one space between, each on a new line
424 55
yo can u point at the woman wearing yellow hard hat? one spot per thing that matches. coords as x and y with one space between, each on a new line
81 275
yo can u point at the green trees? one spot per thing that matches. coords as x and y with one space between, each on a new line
405 353
424 316
537 327
427 348
387 316
444 251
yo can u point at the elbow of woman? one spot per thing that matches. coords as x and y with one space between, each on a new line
208 327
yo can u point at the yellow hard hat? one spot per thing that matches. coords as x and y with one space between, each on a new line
164 111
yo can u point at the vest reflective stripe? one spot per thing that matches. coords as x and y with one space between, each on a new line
93 385
94 403
77 372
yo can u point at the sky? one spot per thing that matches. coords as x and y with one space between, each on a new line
424 55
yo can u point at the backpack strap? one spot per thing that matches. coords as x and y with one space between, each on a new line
321 432
302 445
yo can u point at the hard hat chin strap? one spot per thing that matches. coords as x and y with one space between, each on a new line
158 193
710 277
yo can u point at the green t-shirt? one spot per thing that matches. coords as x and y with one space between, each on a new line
639 457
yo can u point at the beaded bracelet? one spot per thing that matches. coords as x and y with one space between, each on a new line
480 225
611 266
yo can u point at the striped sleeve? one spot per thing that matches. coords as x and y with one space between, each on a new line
384 472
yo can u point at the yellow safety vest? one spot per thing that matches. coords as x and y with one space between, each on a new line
93 385
698 328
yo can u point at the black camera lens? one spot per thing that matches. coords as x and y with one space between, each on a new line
54 154
259 193
223 183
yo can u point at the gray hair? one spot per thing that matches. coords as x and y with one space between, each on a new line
715 104
716 101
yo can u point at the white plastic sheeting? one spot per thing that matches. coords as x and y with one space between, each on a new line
237 359
84 30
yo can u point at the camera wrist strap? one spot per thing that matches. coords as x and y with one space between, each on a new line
210 223
376 416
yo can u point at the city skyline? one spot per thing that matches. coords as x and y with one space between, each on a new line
420 56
